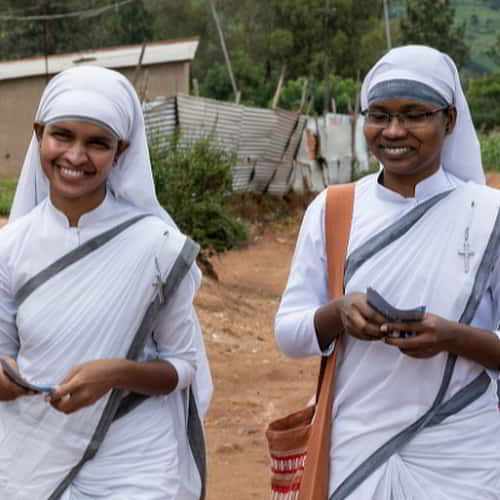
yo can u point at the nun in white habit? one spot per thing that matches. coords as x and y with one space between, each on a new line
413 418
86 186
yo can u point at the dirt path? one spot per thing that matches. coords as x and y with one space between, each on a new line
253 381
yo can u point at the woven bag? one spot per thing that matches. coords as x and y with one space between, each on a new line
299 443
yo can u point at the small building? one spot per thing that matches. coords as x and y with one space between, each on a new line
164 70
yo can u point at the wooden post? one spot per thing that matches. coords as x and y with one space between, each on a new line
224 49
387 26
144 89
304 95
196 87
45 41
310 105
139 65
277 94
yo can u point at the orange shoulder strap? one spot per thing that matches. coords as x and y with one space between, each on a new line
338 216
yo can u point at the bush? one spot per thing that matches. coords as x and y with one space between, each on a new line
483 95
192 181
7 190
490 151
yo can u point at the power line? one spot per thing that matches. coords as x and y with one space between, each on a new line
82 13
17 12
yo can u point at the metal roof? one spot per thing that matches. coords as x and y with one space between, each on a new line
114 57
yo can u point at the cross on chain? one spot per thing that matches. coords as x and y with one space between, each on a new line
158 284
466 252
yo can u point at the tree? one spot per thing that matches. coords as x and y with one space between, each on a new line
432 22
327 35
21 37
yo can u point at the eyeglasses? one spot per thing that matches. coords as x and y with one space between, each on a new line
407 119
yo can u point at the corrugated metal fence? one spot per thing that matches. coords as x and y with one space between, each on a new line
265 141
271 145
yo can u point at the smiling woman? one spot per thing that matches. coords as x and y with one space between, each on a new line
416 404
77 158
96 302
406 136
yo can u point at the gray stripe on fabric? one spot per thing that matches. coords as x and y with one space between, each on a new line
388 235
439 411
179 270
483 274
197 441
129 403
70 258
463 398
81 118
382 454
400 88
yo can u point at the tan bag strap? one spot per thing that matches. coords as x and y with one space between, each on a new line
338 217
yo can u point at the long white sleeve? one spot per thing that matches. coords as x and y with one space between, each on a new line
307 287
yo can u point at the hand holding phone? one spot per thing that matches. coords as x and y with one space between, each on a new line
392 314
16 377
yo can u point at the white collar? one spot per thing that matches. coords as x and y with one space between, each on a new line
436 183
88 218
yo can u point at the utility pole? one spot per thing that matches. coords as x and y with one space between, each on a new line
387 26
327 12
45 6
224 49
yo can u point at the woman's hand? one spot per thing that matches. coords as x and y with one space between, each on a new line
83 386
433 335
350 314
10 390
88 382
358 319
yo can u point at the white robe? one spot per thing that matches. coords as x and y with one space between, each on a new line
379 390
92 310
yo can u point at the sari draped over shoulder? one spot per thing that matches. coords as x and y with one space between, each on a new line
90 310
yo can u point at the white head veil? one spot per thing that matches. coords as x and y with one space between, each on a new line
106 98
461 153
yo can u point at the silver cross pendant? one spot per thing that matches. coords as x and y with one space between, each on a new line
466 252
158 284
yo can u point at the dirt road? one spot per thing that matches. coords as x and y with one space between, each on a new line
254 383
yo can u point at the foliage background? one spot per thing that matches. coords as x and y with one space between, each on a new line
320 41
330 44
193 183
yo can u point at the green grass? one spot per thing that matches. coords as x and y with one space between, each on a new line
7 189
